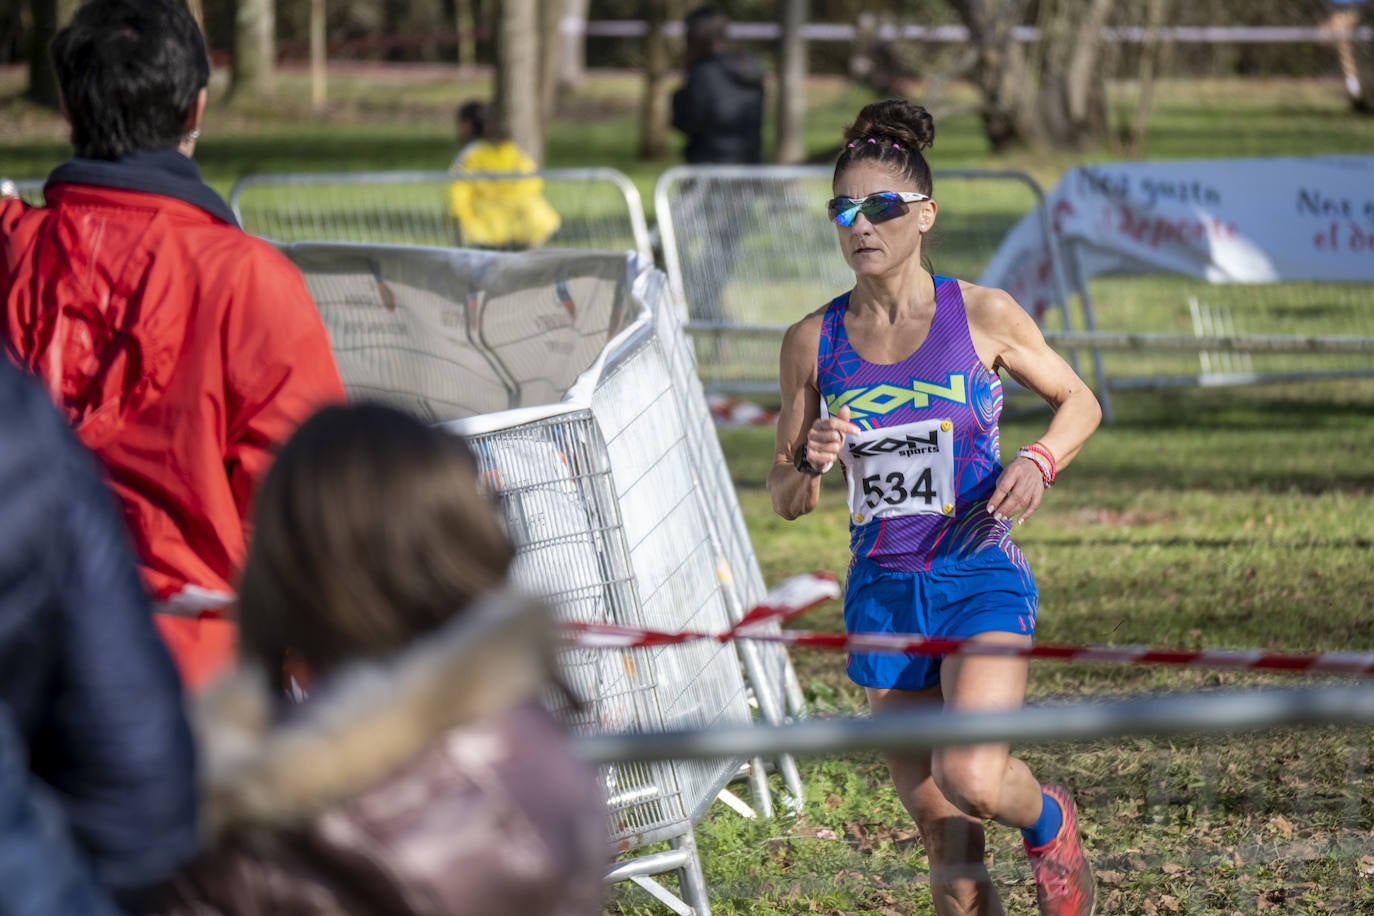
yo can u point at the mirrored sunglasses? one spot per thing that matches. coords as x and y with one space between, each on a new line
878 208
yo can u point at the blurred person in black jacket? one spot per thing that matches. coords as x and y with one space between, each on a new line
720 105
719 108
41 871
87 681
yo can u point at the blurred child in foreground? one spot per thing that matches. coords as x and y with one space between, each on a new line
420 775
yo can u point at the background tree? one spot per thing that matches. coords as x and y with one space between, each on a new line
47 16
572 63
792 70
1154 56
417 23
319 55
998 67
252 73
654 116
517 74
551 13
1071 97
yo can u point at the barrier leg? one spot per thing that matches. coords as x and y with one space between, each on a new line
690 876
768 708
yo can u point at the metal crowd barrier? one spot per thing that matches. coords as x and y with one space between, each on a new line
572 378
1242 333
749 250
599 208
30 189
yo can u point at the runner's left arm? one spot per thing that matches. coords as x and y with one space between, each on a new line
1001 327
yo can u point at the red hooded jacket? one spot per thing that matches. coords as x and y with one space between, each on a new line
180 348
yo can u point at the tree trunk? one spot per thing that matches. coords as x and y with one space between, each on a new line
418 21
517 75
465 21
319 57
48 17
572 64
1154 54
550 56
1071 105
252 74
792 69
653 109
999 68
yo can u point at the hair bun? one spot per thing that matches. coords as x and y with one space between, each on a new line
896 120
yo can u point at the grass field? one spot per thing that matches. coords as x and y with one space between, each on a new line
1204 517
1189 523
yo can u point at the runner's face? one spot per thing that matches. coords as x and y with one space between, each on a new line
877 249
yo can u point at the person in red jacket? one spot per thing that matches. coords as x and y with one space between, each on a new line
180 348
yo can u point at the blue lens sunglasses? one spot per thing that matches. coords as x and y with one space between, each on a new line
879 207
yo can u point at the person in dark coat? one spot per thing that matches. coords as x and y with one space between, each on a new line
41 871
720 105
719 108
88 682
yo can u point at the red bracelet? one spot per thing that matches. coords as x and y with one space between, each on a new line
1043 461
1048 456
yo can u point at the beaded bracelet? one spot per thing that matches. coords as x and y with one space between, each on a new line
1042 459
1048 456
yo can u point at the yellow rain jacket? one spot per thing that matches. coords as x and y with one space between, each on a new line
504 213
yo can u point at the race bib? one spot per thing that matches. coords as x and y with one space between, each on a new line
900 470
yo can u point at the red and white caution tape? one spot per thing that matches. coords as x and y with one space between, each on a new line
788 599
802 593
731 412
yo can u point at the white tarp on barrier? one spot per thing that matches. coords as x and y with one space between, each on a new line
1225 221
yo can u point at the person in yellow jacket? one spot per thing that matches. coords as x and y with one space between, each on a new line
507 214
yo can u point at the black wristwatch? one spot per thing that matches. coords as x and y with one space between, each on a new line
800 462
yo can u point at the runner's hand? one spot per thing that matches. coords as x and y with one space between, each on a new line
826 436
1018 492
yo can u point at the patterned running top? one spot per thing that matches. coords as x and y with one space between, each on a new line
902 517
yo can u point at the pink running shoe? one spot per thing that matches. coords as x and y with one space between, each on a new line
1064 883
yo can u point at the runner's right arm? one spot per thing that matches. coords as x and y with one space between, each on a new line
795 493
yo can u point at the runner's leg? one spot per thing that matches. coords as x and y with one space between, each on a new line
954 842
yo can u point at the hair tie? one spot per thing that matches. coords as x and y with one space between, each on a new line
872 140
895 146
851 145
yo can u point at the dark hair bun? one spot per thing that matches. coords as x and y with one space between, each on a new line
909 126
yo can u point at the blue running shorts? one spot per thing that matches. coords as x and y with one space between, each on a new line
984 593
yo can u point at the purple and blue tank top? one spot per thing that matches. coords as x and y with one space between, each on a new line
930 454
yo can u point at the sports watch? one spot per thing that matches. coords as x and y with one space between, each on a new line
800 462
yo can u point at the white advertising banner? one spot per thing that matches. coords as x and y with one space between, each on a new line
1225 221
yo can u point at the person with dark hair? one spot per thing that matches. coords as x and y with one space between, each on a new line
509 214
719 106
419 774
85 682
898 380
179 347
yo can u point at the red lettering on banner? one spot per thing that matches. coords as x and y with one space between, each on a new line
1359 239
1155 231
1352 237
